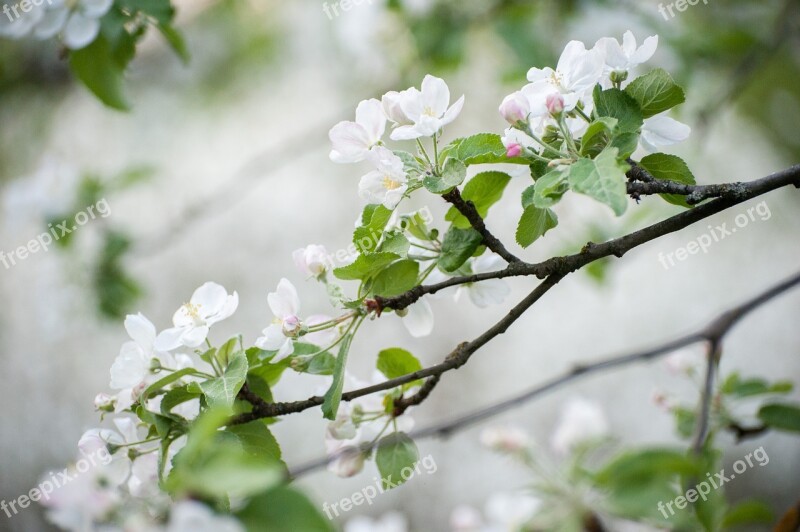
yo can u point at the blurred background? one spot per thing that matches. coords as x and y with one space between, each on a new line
221 170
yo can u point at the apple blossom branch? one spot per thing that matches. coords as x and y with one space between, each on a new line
554 270
728 195
713 334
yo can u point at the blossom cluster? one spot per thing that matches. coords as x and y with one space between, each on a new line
535 109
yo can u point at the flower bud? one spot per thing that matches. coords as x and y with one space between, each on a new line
515 108
513 150
104 402
555 104
312 260
618 76
292 326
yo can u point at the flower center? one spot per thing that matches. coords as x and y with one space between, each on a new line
389 183
193 311
429 112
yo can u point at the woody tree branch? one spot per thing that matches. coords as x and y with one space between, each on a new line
713 334
553 269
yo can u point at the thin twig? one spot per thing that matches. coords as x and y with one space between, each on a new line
705 334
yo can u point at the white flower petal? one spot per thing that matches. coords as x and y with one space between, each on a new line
80 31
419 320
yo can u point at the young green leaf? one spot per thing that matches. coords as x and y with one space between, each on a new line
483 190
396 362
602 178
534 223
668 167
373 221
330 406
452 175
458 246
283 509
396 279
655 92
617 104
365 266
484 148
395 458
548 189
96 67
781 416
222 390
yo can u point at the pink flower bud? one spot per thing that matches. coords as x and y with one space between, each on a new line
513 150
291 325
555 104
515 108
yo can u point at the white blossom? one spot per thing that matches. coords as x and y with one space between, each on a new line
427 109
352 141
209 304
581 421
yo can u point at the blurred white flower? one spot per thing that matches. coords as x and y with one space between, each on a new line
427 109
78 21
312 260
506 439
352 141
465 518
192 516
581 421
285 305
660 130
510 511
418 319
684 361
209 304
391 522
490 291
387 184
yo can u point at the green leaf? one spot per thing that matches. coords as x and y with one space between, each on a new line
535 222
175 397
483 190
736 387
626 142
597 134
748 513
639 465
668 167
602 178
161 10
483 148
548 189
175 41
225 353
330 406
373 221
164 382
222 391
365 266
458 246
655 92
452 175
781 416
396 362
97 68
396 279
617 104
283 509
395 242
396 453
257 440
